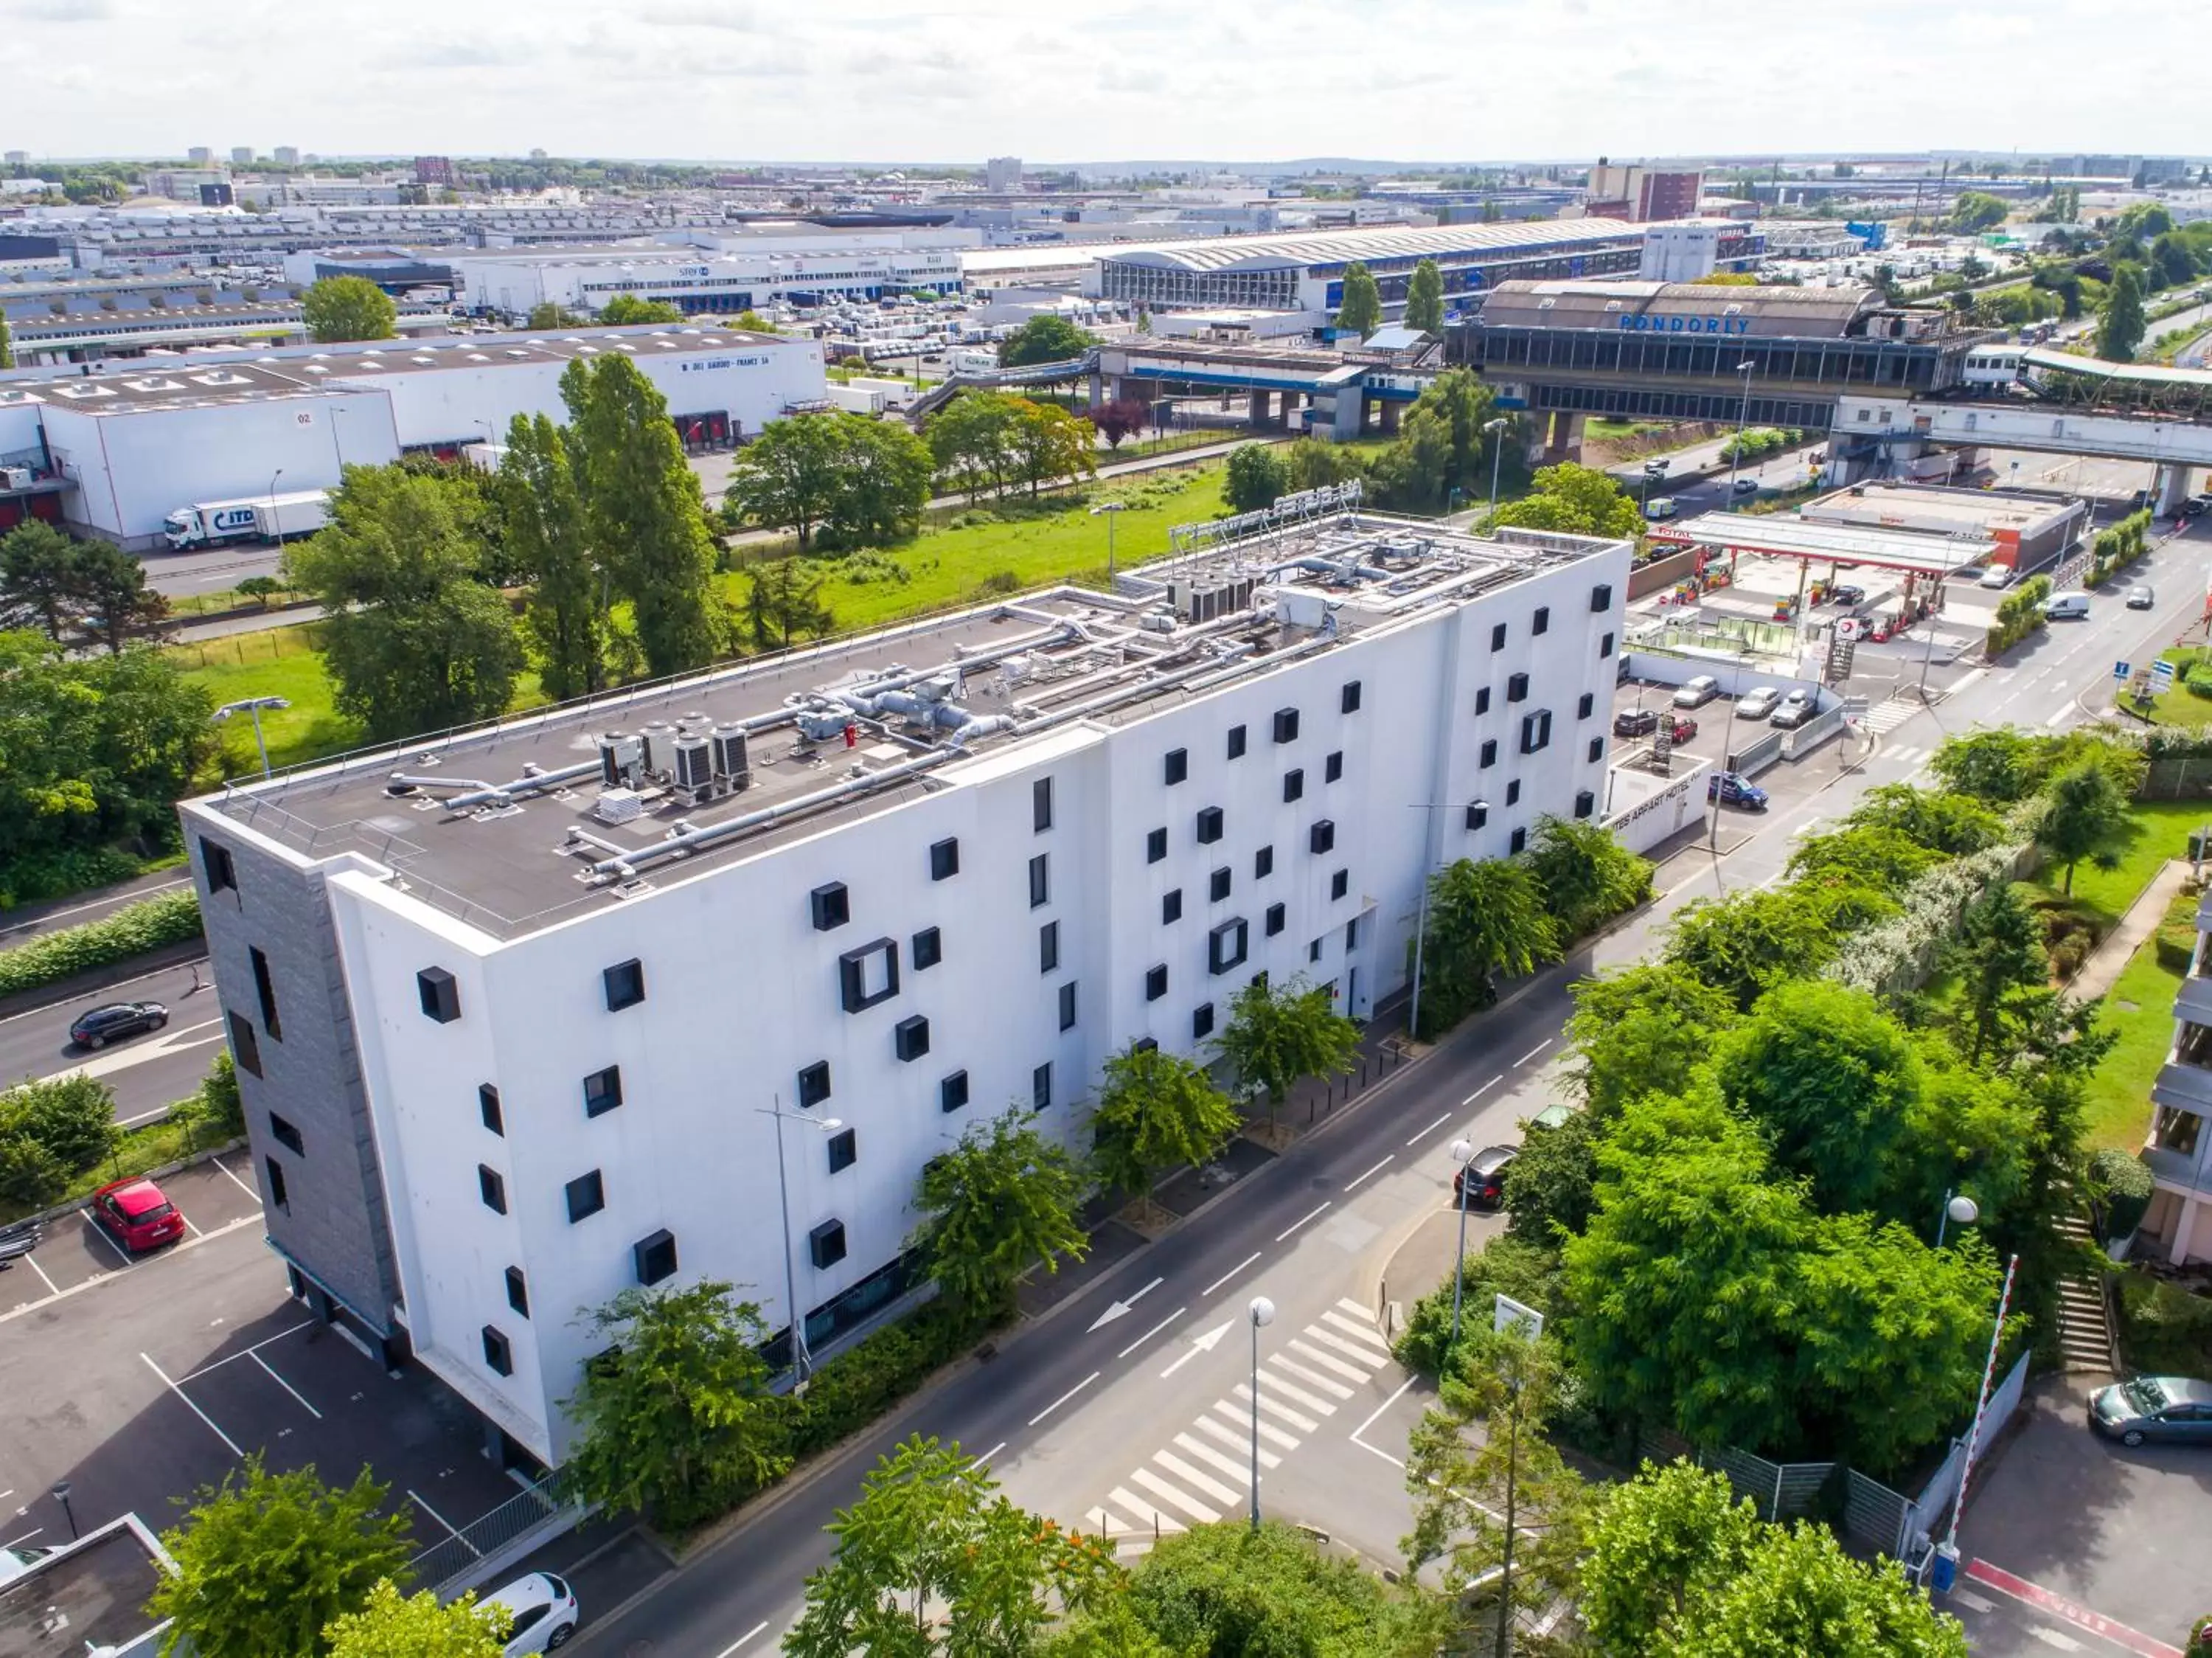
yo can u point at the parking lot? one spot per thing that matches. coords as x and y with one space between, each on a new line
139 1382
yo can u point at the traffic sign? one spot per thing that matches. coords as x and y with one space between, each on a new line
2163 671
2122 670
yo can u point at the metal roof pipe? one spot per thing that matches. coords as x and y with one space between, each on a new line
530 783
399 782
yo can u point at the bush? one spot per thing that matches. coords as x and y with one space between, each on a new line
1504 1265
2121 1188
132 931
58 871
2164 1329
50 1131
2197 679
860 1384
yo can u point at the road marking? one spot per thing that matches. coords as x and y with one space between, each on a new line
240 1183
1275 1383
15 1542
2058 1605
984 1459
1175 1495
32 1264
1476 1095
1394 1462
165 1046
1441 1120
1306 1378
1120 1308
1973 1602
193 1408
1199 1343
79 909
1242 1441
287 1387
1063 1398
1275 1407
35 1013
451 1528
1313 1355
1358 1332
1534 1051
1301 1221
2063 710
1130 1502
248 1352
742 1639
2051 1637
1372 1416
1377 1169
1213 1458
1350 1306
99 1279
1369 1355
1230 1273
1150 1333
100 1232
1205 1482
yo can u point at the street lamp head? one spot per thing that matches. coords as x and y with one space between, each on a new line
1461 1150
829 1125
1746 366
1963 1210
1262 1312
1497 425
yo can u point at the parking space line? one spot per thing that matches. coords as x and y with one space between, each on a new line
416 1497
99 1279
193 1408
235 1182
51 1285
17 1542
248 1352
100 1232
187 1220
742 1639
287 1387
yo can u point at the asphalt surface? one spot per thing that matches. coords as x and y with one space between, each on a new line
147 1074
28 921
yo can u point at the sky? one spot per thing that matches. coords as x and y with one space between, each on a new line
959 80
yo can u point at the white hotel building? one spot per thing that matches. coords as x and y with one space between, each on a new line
509 1008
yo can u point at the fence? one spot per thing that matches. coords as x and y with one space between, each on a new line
1763 753
1815 732
477 1553
1781 1491
1901 1525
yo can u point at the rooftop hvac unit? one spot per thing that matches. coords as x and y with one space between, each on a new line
660 738
689 766
621 757
619 805
727 748
1157 621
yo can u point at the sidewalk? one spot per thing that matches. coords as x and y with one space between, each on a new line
2110 959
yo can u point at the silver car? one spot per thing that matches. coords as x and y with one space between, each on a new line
1757 703
2144 1408
2140 598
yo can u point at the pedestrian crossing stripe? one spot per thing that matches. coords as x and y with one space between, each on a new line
1887 715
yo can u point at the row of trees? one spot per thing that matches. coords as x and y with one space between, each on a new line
990 441
78 594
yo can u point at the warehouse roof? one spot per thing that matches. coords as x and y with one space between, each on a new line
1283 249
1781 311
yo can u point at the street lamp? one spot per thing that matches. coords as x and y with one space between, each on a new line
1742 418
1497 453
1111 508
276 528
1262 1312
801 1360
62 1489
1959 1208
1421 919
1461 1151
253 705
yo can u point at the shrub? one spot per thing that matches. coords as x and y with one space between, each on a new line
50 1130
2164 1329
860 1384
2121 1188
132 931
1504 1265
58 871
2197 679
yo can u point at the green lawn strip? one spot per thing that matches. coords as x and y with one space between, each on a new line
149 1146
2139 1010
2106 894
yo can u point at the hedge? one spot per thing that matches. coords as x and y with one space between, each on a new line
171 918
2124 1188
2019 614
862 1383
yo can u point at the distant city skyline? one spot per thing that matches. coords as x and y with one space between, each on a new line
1422 83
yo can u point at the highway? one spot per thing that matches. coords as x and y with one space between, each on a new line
147 1074
1106 1420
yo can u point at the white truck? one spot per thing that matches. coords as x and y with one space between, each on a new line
266 518
973 363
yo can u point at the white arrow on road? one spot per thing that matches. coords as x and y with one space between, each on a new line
1121 1309
1201 1344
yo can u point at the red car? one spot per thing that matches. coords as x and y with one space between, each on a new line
138 1215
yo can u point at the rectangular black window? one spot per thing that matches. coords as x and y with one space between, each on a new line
1482 700
1477 814
1586 704
1536 731
1040 805
1176 766
928 946
1202 1020
844 1150
1294 785
1585 802
655 1257
1605 647
1597 748
603 1091
825 1244
497 1357
491 1187
264 987
1487 755
1226 946
1040 1086
1321 837
814 1084
518 1291
1171 906
1217 885
1209 825
1156 845
1351 935
1600 598
1497 636
1274 920
1263 863
831 906
1333 767
1040 880
488 1108
1517 688
624 983
1513 792
440 996
1313 951
1542 623
1348 699
944 859
1156 982
1068 1006
910 1037
1339 883
277 1195
1048 947
1520 840
586 1195
286 1136
1235 742
244 1046
1286 725
222 874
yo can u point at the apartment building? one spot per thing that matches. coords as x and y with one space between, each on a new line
2178 1223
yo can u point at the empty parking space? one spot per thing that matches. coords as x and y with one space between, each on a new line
214 1198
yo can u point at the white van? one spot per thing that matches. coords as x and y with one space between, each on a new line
2067 607
1659 507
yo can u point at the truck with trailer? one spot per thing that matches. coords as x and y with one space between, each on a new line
270 518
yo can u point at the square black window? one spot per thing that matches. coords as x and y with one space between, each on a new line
603 1091
927 947
286 1136
1605 647
1348 698
586 1195
1156 982
1156 845
1482 700
944 859
1048 947
1543 621
1040 880
625 986
1585 802
277 1195
1274 920
488 1108
1597 748
825 1244
1202 1020
518 1291
264 987
1497 636
1477 814
844 1150
1286 725
1209 825
814 1084
1520 840
1176 766
1536 731
1487 756
1294 783
1040 1086
1586 704
1333 767
1321 837
1513 792
1217 885
655 1257
440 996
1313 951
1235 742
1171 906
1339 883
222 874
1263 863
491 1187
1600 598
1226 946
868 975
1517 688
1068 1006
1040 805
910 1037
830 905
498 1357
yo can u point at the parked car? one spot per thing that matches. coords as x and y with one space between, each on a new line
1553 1116
1481 1182
137 1214
1970 572
2194 507
2140 598
2144 1408
1696 693
99 1026
1847 593
1757 703
1995 578
1661 507
1643 721
541 1610
1734 789
1796 708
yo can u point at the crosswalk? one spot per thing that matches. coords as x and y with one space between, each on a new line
1887 715
1204 1474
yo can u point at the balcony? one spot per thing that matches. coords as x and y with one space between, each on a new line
2177 1170
2179 1153
2185 1086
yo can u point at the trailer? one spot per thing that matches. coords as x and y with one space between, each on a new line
272 518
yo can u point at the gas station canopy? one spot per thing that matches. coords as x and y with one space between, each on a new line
1777 536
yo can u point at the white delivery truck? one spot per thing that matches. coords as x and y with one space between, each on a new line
973 362
267 518
855 399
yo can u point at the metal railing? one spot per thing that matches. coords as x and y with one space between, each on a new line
466 1557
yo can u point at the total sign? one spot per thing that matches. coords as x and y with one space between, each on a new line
1644 325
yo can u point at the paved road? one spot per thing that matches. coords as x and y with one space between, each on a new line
147 1074
27 921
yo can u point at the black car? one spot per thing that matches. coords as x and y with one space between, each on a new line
1481 1182
1635 721
102 1025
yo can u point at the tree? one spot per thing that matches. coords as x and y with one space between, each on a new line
349 308
1749 942
1424 299
642 510
1226 1589
1587 876
2122 327
1942 821
1976 210
1275 1038
1049 444
413 640
1122 418
674 1419
1574 500
546 316
857 481
548 540
259 588
266 1561
1998 958
1255 477
1507 1504
932 1560
1996 767
1642 1030
625 309
1863 854
1656 1546
1484 919
37 579
1800 1596
1360 313
53 1130
393 1625
887 472
1156 1110
2085 815
1551 1184
1310 462
783 602
1044 338
2173 260
7 346
753 322
971 440
1004 1199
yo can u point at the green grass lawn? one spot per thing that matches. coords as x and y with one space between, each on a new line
2106 893
2139 1009
2178 706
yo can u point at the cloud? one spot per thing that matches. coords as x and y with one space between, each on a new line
57 11
703 14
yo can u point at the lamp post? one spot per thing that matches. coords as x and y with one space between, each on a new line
1956 1207
253 705
1461 1151
275 526
1421 916
1742 418
62 1489
801 1360
1262 1312
1497 454
1112 509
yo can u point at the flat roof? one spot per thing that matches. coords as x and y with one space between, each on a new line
1889 504
1603 302
2140 374
1780 536
1274 250
100 1583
